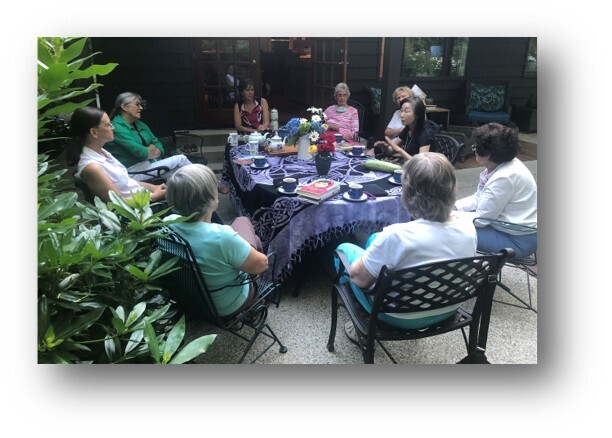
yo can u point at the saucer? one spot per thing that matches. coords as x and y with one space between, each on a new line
363 154
392 181
257 167
346 196
280 189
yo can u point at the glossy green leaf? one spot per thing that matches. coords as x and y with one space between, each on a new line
174 338
151 340
134 341
72 51
81 323
136 313
193 349
53 77
98 70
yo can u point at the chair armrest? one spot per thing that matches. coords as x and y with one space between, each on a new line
153 172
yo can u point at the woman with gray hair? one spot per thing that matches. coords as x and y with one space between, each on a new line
225 253
134 145
428 193
342 117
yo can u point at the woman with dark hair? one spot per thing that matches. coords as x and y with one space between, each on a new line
428 193
416 137
135 146
91 129
249 114
507 191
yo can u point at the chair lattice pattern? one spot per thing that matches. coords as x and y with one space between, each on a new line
433 286
449 146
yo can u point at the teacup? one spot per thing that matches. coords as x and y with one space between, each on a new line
232 139
259 161
357 150
338 138
289 184
397 176
355 191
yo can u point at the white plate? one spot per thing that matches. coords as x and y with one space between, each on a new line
280 189
264 167
346 196
363 154
392 181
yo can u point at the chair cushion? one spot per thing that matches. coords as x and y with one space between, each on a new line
488 98
486 117
376 98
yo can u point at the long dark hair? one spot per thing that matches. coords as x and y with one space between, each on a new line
243 85
83 119
418 107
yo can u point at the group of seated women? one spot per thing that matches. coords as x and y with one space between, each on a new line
228 254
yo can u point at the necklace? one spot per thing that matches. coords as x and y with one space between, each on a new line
340 109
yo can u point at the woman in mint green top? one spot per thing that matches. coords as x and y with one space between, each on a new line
135 146
226 254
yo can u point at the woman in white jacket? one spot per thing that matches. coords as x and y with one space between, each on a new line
507 191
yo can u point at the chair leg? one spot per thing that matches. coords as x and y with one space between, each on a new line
334 320
258 329
524 305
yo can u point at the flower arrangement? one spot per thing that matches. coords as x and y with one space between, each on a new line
314 127
325 145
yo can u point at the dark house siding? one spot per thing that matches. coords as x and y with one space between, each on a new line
160 70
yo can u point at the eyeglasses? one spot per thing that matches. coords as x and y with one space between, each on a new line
142 104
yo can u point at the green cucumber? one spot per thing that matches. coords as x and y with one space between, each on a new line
381 166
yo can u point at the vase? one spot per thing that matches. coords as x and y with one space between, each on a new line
323 163
303 146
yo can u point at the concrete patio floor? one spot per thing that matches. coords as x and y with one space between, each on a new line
303 322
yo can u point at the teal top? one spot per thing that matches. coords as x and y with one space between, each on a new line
220 252
127 146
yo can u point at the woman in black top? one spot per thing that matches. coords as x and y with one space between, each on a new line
417 136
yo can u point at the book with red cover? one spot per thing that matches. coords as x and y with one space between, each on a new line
319 190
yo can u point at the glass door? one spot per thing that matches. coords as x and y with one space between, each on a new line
329 62
220 63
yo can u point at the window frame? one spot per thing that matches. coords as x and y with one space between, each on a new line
527 73
445 71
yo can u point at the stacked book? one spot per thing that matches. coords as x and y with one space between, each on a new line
318 190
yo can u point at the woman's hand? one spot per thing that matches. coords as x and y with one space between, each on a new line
159 192
153 152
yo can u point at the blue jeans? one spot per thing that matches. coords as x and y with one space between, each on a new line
492 240
353 252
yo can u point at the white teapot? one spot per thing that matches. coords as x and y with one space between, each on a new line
276 142
256 136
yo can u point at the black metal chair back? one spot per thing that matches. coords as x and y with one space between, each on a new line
188 288
427 287
449 146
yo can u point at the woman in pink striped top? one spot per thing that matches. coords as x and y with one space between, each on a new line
342 117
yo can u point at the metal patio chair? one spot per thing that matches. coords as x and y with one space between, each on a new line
188 288
426 287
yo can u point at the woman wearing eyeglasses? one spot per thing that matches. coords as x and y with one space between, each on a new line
507 192
135 146
91 129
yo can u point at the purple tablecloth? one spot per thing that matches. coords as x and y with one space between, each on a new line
290 227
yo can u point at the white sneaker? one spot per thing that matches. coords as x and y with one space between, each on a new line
349 329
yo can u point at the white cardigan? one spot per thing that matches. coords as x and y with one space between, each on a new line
508 194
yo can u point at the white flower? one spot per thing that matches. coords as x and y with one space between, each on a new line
302 121
316 118
314 110
314 136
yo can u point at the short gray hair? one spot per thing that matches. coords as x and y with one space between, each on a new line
123 99
428 186
192 189
342 86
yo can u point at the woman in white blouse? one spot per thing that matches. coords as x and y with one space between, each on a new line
507 191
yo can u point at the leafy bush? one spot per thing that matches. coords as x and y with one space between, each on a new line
97 298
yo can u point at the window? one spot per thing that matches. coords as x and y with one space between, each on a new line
531 61
434 57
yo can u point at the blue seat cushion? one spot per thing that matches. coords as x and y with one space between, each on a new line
486 117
